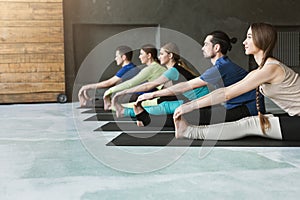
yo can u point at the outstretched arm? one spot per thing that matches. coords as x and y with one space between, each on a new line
250 82
175 89
136 80
146 86
109 82
83 92
141 88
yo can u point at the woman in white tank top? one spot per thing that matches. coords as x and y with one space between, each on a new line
272 78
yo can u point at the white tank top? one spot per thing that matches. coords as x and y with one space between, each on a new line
285 94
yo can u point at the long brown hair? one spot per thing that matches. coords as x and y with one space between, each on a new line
172 48
265 38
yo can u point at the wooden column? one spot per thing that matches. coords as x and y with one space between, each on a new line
31 50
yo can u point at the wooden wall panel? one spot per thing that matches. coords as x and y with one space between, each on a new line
23 88
32 23
28 98
31 50
31 58
41 77
31 67
30 34
30 10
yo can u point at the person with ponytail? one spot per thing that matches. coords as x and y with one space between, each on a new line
148 56
272 78
224 72
177 71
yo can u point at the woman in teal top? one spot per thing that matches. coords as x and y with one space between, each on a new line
177 72
148 56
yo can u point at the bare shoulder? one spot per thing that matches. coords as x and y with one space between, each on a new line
274 69
269 73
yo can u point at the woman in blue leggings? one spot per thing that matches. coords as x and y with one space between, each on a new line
177 72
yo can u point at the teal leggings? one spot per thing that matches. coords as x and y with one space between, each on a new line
164 108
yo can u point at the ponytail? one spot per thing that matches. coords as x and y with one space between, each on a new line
263 120
221 38
182 64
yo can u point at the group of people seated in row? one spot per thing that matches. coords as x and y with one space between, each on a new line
234 109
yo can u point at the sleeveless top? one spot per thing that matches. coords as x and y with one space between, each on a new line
285 94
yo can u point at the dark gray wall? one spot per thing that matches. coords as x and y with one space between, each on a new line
194 18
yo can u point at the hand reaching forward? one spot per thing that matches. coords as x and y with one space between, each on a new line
144 97
114 100
184 108
83 95
107 102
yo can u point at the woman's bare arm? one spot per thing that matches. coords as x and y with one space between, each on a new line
250 82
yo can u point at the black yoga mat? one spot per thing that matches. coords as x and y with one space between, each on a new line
168 139
107 117
130 126
98 111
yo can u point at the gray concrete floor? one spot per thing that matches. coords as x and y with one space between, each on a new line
47 151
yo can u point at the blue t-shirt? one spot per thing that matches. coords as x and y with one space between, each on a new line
173 74
127 72
225 73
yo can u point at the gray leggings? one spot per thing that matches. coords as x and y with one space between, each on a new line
234 130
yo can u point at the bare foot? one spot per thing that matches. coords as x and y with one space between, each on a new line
139 123
119 110
137 110
83 102
180 127
107 103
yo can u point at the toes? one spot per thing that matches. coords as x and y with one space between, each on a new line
139 123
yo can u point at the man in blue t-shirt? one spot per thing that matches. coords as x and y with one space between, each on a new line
223 73
127 71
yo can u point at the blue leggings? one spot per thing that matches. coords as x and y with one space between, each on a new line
164 108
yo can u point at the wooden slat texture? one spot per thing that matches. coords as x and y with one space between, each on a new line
31 23
29 48
38 1
29 98
31 67
31 51
43 77
23 88
30 11
29 34
31 58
